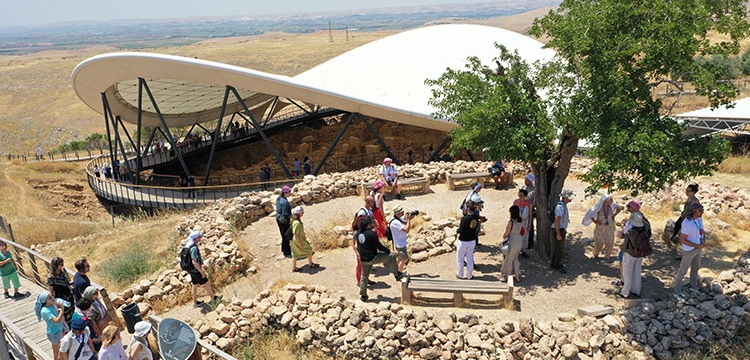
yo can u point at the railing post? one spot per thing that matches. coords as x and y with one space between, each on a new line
34 269
3 343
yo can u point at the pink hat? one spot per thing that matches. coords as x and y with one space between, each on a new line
387 160
635 205
378 184
286 189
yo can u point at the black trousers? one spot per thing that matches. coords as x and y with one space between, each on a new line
286 247
558 248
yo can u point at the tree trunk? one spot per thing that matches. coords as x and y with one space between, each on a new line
550 176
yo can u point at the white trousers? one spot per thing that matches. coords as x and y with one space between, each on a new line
465 249
631 274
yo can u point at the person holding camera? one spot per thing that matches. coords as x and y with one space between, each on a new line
467 239
389 175
400 227
473 196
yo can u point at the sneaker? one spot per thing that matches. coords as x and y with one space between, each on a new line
19 295
198 303
618 283
401 275
363 298
7 296
399 197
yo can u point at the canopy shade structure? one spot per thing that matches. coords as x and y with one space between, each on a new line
383 79
735 120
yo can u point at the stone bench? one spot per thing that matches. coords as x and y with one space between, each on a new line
480 176
458 288
420 185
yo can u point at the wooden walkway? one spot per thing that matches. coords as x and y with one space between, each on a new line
21 313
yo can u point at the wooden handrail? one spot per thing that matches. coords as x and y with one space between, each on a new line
31 350
32 256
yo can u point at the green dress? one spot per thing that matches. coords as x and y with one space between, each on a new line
304 251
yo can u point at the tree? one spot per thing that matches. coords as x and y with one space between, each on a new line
610 54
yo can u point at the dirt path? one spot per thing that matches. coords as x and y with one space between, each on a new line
542 295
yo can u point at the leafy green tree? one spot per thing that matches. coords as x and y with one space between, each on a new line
610 55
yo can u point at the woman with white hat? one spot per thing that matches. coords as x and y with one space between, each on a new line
139 349
301 248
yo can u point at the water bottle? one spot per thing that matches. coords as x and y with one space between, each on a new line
63 302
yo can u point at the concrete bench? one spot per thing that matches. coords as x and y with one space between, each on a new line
450 179
420 185
458 288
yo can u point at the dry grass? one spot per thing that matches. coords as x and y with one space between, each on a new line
736 165
324 238
275 345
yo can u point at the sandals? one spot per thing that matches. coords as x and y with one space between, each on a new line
314 265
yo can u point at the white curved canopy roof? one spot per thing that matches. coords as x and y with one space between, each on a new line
722 119
383 79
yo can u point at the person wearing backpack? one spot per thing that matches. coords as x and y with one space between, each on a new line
378 195
693 240
372 252
198 275
636 229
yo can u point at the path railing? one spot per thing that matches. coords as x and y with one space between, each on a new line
15 342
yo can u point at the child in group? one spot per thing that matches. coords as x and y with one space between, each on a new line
8 271
51 311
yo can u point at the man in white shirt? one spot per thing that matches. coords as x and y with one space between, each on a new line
77 345
389 174
367 210
400 230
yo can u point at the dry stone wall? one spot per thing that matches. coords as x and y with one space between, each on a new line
324 321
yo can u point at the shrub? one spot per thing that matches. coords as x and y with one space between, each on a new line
128 266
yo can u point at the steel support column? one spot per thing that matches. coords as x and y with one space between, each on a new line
260 131
380 140
122 126
118 140
170 138
139 152
105 105
440 147
216 137
336 141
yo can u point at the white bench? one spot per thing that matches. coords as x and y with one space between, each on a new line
458 288
421 185
480 177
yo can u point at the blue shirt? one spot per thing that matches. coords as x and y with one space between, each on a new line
48 313
283 208
80 283
561 210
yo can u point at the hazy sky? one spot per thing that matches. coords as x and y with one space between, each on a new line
35 12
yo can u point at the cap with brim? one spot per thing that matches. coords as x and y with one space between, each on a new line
635 205
194 235
387 160
298 210
397 209
286 189
78 324
567 194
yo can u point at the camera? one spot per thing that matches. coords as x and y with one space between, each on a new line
413 213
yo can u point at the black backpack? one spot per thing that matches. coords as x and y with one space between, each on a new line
186 262
642 241
552 212
388 232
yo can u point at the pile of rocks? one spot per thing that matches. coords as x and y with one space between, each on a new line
327 322
220 221
714 197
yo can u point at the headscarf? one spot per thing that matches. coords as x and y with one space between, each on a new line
635 205
89 292
191 238
477 186
41 300
594 211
